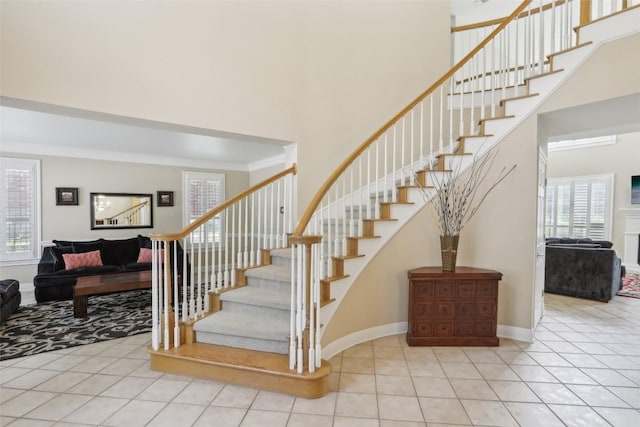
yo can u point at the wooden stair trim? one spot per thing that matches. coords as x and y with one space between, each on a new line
346 257
515 98
548 73
250 368
374 220
490 119
488 135
334 278
356 238
569 49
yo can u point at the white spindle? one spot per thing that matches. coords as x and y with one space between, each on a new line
226 276
292 314
155 298
421 137
277 217
461 112
176 302
300 307
552 36
386 168
541 39
441 141
233 245
451 86
253 257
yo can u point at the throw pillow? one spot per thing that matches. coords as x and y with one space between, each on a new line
85 259
145 255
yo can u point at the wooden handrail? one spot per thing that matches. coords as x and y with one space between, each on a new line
497 21
308 213
224 205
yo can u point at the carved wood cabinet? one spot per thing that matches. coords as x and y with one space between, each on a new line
453 308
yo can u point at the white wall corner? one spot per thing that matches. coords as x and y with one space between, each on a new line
343 343
515 333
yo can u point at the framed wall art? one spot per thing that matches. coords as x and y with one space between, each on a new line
165 198
66 196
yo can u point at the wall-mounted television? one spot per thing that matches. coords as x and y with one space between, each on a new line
635 189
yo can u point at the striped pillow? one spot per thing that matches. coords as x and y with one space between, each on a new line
85 259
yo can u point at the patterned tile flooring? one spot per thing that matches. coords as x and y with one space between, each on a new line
582 370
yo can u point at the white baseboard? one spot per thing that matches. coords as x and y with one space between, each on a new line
515 333
348 341
364 335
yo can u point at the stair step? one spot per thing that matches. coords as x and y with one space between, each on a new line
281 257
259 298
271 277
249 368
240 330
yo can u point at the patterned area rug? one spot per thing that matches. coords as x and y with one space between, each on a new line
630 286
51 326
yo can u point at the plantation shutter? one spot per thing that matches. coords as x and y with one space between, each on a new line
579 207
203 192
19 195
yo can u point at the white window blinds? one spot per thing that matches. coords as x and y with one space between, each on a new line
203 192
20 213
579 207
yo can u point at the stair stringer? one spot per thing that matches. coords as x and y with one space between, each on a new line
564 65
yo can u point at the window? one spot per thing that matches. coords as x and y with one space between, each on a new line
20 213
579 207
203 192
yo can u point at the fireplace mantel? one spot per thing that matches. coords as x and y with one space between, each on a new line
631 238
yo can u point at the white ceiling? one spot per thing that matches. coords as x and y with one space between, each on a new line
72 133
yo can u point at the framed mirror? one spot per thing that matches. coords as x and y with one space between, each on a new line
121 210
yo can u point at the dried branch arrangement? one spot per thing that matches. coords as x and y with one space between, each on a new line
453 204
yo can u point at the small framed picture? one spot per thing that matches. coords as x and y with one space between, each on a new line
165 198
66 196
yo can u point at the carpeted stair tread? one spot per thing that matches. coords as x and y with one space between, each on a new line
250 295
281 253
272 272
243 326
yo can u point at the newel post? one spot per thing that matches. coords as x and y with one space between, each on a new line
585 12
305 300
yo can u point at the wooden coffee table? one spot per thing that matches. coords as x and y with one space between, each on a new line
106 284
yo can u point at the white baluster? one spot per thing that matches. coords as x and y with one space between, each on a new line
253 259
292 314
155 299
245 255
441 141
176 302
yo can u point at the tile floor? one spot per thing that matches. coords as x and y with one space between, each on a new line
583 370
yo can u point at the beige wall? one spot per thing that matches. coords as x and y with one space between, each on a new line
323 74
73 222
619 160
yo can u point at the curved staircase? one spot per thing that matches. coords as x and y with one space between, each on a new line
265 330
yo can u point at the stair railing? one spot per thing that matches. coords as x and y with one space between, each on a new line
557 18
363 185
208 255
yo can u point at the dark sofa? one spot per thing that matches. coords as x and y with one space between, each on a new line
55 281
582 268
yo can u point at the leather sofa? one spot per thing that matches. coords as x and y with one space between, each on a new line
10 298
582 268
55 279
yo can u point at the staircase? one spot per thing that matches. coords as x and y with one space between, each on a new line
259 320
